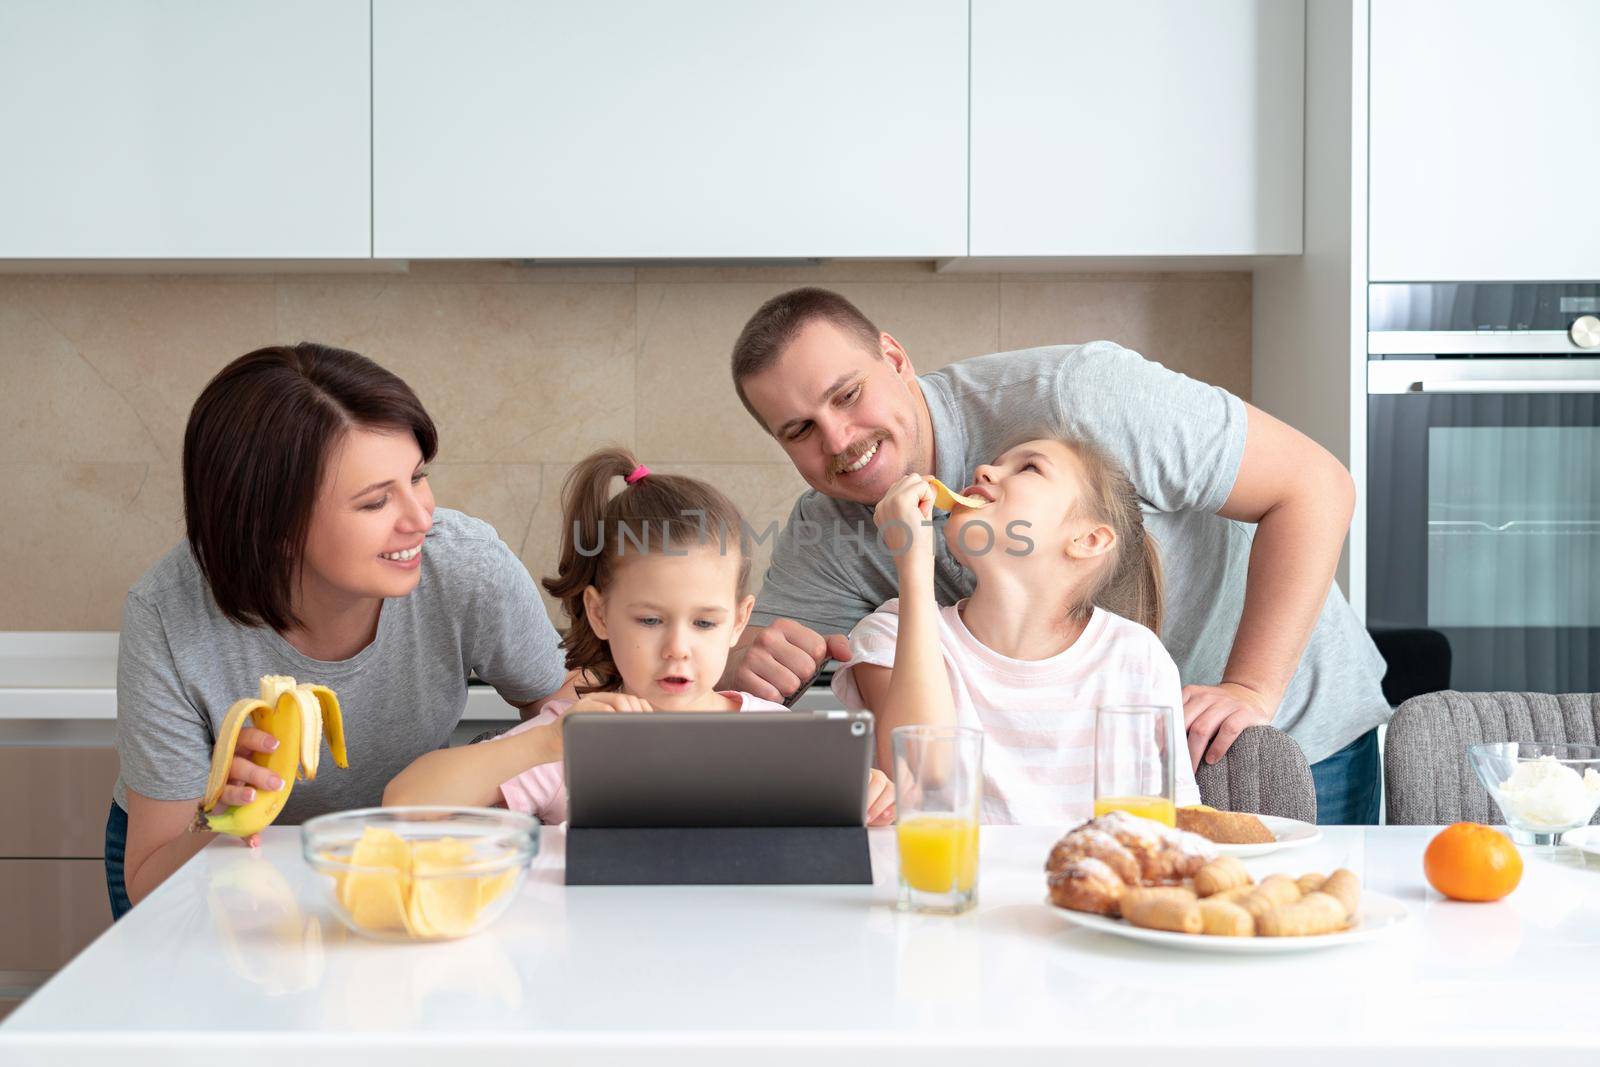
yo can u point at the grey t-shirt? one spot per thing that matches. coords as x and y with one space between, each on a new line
181 664
1181 442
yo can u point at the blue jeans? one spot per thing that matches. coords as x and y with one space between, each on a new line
116 846
1347 783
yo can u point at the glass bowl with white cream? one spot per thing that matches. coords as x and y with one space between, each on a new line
1543 790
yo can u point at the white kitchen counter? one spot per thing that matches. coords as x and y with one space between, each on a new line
58 676
60 688
54 676
214 961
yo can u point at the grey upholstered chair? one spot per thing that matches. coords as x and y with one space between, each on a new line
1427 779
1264 773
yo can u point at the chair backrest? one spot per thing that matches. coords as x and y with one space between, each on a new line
1426 777
1264 773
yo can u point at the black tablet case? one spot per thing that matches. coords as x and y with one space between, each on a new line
714 798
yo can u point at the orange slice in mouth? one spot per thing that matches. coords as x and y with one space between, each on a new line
947 499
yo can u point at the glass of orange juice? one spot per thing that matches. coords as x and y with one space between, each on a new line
1133 762
938 787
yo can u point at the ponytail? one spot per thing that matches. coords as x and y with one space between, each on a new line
1137 585
584 496
652 513
1130 581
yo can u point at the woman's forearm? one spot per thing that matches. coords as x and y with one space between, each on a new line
160 865
472 774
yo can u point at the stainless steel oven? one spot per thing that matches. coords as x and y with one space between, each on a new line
1484 478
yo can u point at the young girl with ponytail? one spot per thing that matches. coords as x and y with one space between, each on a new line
653 583
1063 619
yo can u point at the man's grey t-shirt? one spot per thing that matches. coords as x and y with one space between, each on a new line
1180 440
181 664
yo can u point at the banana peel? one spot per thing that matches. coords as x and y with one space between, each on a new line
319 706
300 716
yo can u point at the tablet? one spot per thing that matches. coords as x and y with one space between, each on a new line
717 769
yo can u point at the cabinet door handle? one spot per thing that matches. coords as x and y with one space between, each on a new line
1508 385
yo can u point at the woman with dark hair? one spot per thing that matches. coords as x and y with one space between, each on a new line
314 549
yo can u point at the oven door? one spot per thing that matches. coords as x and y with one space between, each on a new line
1484 516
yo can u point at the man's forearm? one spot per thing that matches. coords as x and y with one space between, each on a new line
1292 563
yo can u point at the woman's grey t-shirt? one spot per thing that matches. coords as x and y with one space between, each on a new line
181 664
1181 442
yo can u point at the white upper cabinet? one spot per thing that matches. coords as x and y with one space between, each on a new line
1136 127
1485 161
184 128
696 128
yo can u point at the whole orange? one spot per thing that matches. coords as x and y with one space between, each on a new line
1469 861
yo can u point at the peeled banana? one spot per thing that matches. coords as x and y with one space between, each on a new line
299 716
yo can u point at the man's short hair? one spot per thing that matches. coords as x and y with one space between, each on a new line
777 322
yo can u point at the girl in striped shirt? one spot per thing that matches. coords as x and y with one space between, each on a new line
1063 619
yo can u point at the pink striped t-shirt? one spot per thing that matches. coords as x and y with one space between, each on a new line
541 791
1038 715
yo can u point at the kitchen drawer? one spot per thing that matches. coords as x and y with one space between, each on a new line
55 799
49 910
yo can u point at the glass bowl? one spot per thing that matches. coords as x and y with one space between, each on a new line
420 873
1543 790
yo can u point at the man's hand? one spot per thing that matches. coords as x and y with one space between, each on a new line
784 656
880 799
1215 716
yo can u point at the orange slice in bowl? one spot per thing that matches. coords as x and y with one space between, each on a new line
444 903
492 886
375 892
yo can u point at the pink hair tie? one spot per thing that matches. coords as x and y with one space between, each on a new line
638 474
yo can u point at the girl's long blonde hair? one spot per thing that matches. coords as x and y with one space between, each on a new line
1129 582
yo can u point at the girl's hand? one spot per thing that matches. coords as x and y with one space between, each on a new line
611 702
880 799
900 516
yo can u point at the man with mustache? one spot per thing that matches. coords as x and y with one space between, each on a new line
1249 515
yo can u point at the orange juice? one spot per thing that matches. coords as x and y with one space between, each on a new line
1159 809
939 853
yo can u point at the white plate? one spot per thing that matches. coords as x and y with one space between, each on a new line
1584 839
1290 833
1379 914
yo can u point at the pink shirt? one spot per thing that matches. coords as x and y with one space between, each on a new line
541 791
1038 715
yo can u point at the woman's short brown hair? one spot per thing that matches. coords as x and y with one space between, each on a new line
254 454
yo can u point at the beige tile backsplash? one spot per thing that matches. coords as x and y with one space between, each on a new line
525 369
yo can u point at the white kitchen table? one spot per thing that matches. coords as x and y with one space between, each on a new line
238 958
